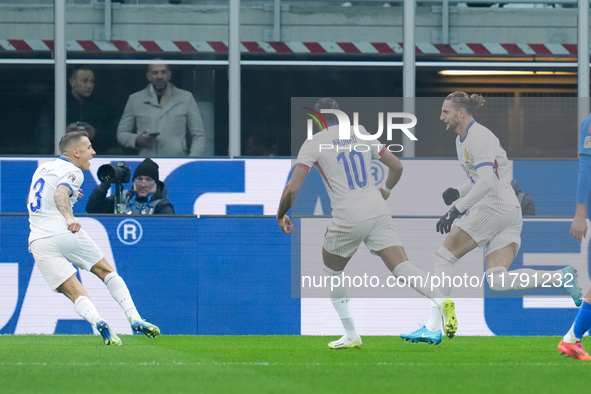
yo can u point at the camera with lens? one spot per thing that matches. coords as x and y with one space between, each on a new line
110 173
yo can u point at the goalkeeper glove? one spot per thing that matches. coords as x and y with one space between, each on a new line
444 224
450 195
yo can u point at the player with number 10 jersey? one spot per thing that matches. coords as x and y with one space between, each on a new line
345 167
360 214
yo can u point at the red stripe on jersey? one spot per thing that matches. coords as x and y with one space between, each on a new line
382 151
323 175
496 169
305 167
494 165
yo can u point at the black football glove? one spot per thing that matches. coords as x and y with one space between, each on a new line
450 195
443 226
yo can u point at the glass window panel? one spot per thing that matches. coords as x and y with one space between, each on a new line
113 84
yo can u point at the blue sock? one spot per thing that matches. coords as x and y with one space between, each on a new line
583 320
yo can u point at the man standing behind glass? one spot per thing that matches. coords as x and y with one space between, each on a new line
162 120
84 112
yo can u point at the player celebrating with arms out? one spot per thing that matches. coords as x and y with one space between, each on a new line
57 241
360 214
494 220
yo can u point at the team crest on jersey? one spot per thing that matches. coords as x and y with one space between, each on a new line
587 143
72 177
466 154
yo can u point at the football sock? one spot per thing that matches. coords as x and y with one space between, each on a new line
443 264
341 303
86 309
570 337
499 279
583 320
120 293
410 272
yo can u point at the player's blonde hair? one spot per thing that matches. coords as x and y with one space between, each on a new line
463 100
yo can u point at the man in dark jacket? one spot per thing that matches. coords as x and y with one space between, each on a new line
148 196
85 112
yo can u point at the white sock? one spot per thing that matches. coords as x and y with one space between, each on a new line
120 293
341 303
499 279
443 264
86 309
413 275
570 336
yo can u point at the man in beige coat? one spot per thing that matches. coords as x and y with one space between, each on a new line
161 119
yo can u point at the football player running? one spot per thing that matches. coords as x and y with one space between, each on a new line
359 214
488 211
57 239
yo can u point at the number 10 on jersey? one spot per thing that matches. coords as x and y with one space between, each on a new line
351 165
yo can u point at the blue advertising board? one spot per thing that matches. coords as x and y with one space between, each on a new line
188 275
233 275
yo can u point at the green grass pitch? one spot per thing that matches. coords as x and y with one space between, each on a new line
287 364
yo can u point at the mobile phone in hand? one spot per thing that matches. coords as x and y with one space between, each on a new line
155 134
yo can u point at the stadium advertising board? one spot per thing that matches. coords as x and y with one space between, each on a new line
232 275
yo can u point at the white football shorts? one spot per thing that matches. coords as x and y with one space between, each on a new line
55 255
493 227
378 233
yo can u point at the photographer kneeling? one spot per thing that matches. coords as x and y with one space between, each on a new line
148 195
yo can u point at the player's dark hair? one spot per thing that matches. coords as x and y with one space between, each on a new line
77 68
71 138
462 100
327 103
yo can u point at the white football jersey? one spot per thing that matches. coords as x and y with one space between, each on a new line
346 173
45 219
480 147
